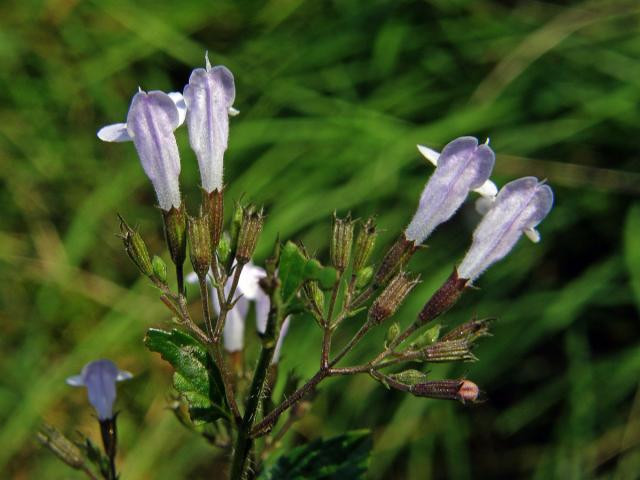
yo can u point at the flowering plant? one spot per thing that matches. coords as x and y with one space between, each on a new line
233 407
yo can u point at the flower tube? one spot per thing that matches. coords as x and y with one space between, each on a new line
209 98
152 118
462 166
519 207
100 378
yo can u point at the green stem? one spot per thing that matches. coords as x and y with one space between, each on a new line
244 442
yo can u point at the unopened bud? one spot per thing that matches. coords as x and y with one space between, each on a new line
392 333
391 298
175 230
224 248
397 256
61 446
428 337
469 331
441 301
136 248
214 210
365 241
410 377
341 242
199 244
451 351
250 229
314 295
461 390
363 277
159 268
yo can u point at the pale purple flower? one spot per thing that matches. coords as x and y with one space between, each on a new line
519 207
462 166
100 378
249 290
209 98
151 121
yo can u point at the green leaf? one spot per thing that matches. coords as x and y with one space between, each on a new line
632 249
295 268
344 456
196 376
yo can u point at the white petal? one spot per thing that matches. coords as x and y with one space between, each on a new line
123 375
181 105
248 284
532 234
75 381
192 278
487 189
114 133
484 204
283 333
233 112
429 154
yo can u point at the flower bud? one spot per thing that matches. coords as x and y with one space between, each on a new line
61 446
175 231
159 268
136 248
397 256
428 337
314 295
250 229
365 241
199 245
451 351
444 298
224 248
469 331
391 298
341 242
410 377
363 277
392 334
461 390
214 210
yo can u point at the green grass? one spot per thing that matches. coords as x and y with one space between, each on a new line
334 96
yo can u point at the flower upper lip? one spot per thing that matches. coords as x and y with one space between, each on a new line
100 377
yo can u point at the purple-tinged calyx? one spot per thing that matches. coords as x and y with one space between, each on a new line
100 378
519 207
462 166
209 98
152 118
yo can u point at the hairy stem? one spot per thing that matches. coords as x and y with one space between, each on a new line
244 441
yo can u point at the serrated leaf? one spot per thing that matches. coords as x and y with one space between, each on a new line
344 456
295 268
196 376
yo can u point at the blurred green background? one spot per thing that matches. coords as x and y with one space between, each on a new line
334 96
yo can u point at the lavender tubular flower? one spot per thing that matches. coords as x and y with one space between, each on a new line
209 97
100 378
463 166
151 121
519 207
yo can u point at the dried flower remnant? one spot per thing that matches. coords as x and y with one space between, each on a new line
519 207
152 118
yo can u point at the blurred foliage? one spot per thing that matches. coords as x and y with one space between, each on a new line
334 96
